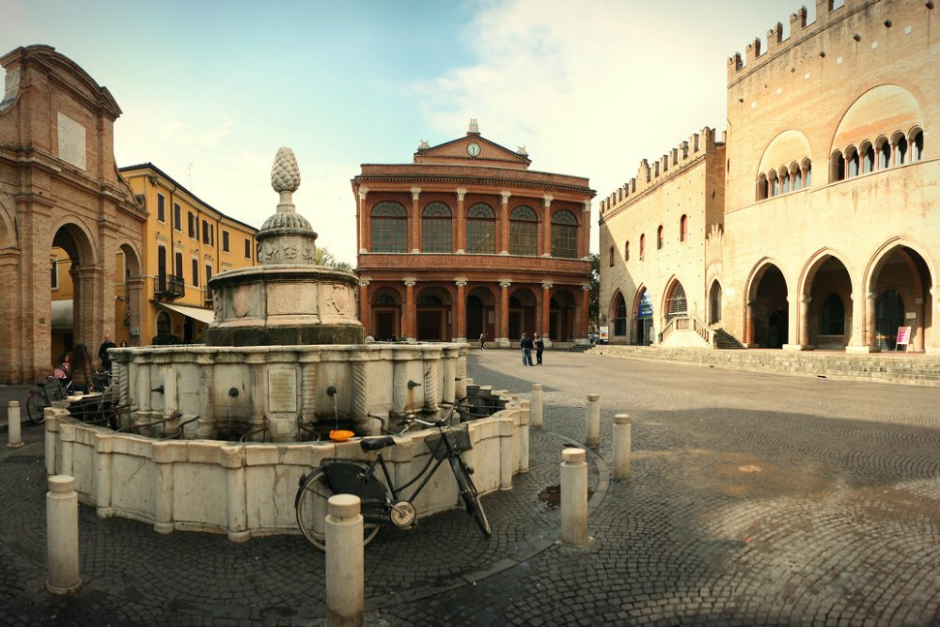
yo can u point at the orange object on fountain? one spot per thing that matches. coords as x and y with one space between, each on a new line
341 435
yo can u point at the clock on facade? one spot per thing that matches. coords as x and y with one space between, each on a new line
473 149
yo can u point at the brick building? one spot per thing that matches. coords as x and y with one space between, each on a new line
828 234
59 188
466 240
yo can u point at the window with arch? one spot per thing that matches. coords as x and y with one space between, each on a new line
389 228
436 228
796 178
852 162
564 234
684 226
762 192
867 158
620 316
837 166
643 246
805 167
627 251
774 184
883 153
659 237
676 303
611 257
523 229
384 300
917 145
833 316
785 177
163 323
481 229
900 144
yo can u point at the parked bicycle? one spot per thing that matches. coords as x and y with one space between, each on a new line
383 503
48 390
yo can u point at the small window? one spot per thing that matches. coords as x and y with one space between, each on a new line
225 241
191 224
161 208
683 227
611 257
207 233
643 246
564 234
762 193
852 163
659 237
901 151
627 251
177 217
178 258
918 146
837 167
775 184
208 273
785 182
807 174
195 272
248 248
884 154
55 275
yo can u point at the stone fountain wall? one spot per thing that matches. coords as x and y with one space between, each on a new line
240 387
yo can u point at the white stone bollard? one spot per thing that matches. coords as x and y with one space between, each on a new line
525 417
13 425
593 421
574 497
622 446
62 535
345 571
535 418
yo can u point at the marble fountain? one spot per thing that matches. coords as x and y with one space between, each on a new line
214 437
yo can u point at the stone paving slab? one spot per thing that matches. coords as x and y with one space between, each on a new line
755 500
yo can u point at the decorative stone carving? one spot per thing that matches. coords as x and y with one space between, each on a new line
285 175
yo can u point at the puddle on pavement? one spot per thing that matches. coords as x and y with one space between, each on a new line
552 494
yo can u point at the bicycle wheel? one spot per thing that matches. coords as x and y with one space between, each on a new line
310 508
35 405
470 495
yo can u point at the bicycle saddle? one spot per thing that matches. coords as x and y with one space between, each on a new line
374 444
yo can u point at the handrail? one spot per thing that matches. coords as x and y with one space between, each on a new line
686 323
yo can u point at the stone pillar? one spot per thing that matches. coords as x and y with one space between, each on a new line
545 229
750 324
448 374
236 494
62 536
135 299
537 408
593 421
164 454
359 401
504 236
460 380
364 306
364 243
507 459
621 435
460 316
583 319
546 304
525 417
205 425
103 473
400 359
504 332
414 223
345 572
573 478
461 222
13 425
804 322
52 428
870 321
430 380
584 231
410 313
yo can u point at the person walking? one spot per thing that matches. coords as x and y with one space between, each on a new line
483 338
527 345
540 346
103 352
81 369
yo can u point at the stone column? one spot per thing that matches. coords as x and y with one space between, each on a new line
51 429
546 304
364 305
583 321
537 406
410 313
460 379
460 317
750 324
804 322
345 573
364 243
460 222
414 230
504 238
430 380
62 536
13 425
870 321
593 421
448 374
584 231
574 497
236 494
621 435
504 332
359 401
103 473
545 230
525 417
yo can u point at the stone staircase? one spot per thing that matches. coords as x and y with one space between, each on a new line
912 369
726 341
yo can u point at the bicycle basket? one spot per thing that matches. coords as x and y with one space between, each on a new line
458 439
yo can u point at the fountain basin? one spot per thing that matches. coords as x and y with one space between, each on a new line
247 490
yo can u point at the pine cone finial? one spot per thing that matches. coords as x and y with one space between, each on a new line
285 175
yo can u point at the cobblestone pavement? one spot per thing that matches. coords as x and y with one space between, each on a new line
755 500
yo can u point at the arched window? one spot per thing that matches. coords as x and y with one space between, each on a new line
523 228
481 229
429 300
785 181
643 246
918 144
436 228
627 251
796 178
837 167
852 162
868 155
620 316
715 303
611 257
883 153
683 228
805 166
388 228
901 150
833 315
676 303
384 300
774 184
659 237
163 323
762 187
564 234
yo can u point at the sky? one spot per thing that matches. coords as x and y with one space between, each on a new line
210 90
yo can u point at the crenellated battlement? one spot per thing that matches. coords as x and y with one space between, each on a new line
826 13
666 167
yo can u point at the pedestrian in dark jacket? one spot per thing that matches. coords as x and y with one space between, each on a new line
527 345
103 353
540 346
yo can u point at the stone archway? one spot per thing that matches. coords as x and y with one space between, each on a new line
522 313
433 314
129 296
767 314
75 300
899 294
481 314
386 314
617 314
562 320
826 306
715 303
642 312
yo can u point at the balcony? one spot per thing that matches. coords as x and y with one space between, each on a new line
169 287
